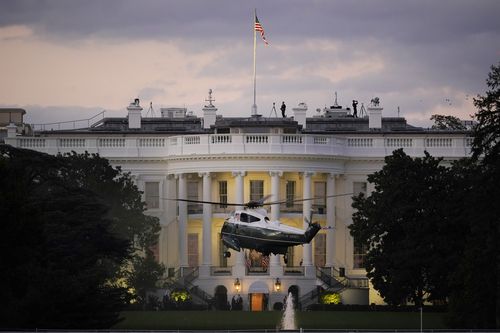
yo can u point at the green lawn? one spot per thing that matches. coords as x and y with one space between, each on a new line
192 320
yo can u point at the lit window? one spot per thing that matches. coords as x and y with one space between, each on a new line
320 250
359 253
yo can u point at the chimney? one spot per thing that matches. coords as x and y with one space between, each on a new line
209 111
299 114
11 130
134 115
375 114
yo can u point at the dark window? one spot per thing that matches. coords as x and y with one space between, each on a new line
222 249
223 194
244 217
152 194
359 187
256 190
290 193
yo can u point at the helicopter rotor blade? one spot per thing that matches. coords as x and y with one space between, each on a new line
258 203
306 199
206 202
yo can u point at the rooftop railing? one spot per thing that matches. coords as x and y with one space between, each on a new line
453 146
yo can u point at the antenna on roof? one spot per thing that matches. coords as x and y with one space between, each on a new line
273 110
362 111
151 110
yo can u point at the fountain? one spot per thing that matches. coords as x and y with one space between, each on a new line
288 320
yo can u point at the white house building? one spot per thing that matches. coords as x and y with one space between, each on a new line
214 158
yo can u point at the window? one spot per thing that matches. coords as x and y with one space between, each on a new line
152 195
320 250
256 190
222 248
290 257
223 194
192 194
244 217
359 255
320 195
290 193
358 187
192 250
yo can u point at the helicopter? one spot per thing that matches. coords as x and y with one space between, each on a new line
250 228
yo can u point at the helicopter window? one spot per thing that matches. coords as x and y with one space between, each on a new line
244 217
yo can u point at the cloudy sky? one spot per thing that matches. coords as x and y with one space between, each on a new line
64 60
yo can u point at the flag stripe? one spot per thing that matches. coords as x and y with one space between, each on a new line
258 27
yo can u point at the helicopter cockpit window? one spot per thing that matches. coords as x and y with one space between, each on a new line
244 217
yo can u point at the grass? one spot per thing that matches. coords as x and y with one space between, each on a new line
220 320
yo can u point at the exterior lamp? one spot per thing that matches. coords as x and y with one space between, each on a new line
277 284
237 285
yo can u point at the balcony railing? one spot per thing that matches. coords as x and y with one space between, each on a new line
216 144
220 271
293 270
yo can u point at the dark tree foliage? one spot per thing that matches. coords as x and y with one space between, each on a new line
118 192
62 250
487 130
474 280
475 300
442 122
404 225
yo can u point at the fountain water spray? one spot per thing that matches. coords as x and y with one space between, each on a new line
288 320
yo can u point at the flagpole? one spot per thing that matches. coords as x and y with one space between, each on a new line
254 106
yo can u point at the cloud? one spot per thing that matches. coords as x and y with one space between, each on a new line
102 54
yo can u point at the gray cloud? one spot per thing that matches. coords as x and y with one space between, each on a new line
424 45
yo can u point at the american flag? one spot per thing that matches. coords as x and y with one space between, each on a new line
259 28
264 261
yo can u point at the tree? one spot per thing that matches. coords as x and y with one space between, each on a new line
144 276
442 122
403 224
486 142
71 224
118 191
475 300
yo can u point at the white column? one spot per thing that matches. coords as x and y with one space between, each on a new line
274 260
207 225
306 211
330 220
183 217
239 262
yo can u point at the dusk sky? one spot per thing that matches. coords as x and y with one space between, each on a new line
64 60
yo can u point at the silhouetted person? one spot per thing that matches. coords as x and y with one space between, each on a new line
283 109
355 108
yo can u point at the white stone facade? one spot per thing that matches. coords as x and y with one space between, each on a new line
301 165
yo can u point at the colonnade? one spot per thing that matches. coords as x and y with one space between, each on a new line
239 266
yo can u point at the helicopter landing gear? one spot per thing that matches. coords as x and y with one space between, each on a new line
285 258
227 254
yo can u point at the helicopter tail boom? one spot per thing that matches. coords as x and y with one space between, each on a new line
311 231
